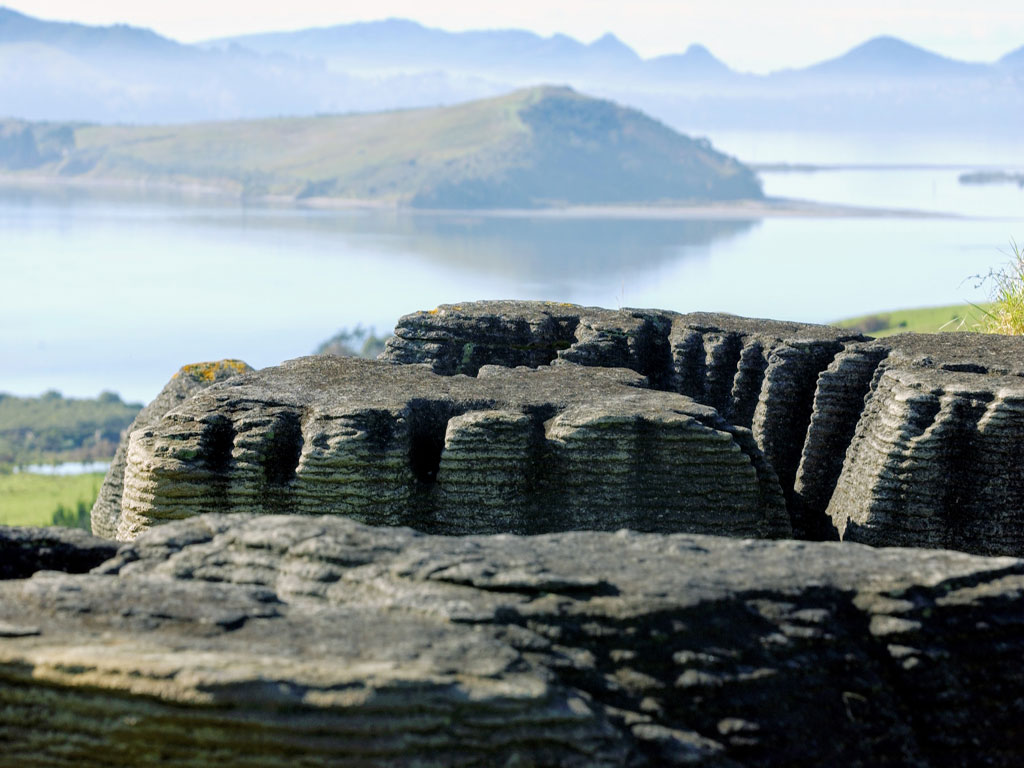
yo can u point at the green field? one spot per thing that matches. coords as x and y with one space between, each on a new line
27 499
956 317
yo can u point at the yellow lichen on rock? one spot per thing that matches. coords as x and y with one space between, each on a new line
212 371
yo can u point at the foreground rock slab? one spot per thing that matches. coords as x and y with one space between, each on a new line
285 640
912 440
513 450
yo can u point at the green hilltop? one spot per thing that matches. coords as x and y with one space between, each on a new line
538 147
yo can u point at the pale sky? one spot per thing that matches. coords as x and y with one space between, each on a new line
749 35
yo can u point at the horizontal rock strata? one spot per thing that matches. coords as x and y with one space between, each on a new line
930 459
513 450
936 461
270 640
759 374
106 512
827 409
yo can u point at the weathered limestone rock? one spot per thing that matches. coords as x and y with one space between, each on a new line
875 478
512 450
936 461
759 374
23 550
280 640
186 382
939 469
828 413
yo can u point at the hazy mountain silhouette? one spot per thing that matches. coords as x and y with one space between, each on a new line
64 71
1014 59
891 57
696 62
80 38
401 44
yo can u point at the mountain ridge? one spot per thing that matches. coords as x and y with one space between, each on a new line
882 86
16 27
886 54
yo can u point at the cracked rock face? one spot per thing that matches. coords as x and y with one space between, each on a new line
284 640
910 440
510 450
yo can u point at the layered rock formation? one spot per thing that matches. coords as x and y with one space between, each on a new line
936 459
106 512
759 374
911 440
268 640
507 451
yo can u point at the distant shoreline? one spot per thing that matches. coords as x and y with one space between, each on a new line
667 211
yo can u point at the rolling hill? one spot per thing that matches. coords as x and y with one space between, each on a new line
532 148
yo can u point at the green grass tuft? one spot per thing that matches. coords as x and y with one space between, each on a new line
1006 312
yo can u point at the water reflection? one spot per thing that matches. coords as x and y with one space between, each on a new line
117 292
560 254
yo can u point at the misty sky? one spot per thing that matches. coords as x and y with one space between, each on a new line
751 35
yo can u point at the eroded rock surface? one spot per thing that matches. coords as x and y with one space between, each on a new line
106 512
937 460
513 450
929 458
284 640
910 440
759 374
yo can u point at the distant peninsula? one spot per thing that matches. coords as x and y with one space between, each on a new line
540 147
992 177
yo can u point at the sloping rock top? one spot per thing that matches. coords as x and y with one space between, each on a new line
318 641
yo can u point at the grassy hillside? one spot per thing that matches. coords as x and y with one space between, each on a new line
956 317
533 147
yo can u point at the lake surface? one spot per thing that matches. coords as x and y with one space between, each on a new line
119 293
65 468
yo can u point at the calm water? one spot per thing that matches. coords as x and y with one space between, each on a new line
117 294
65 468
